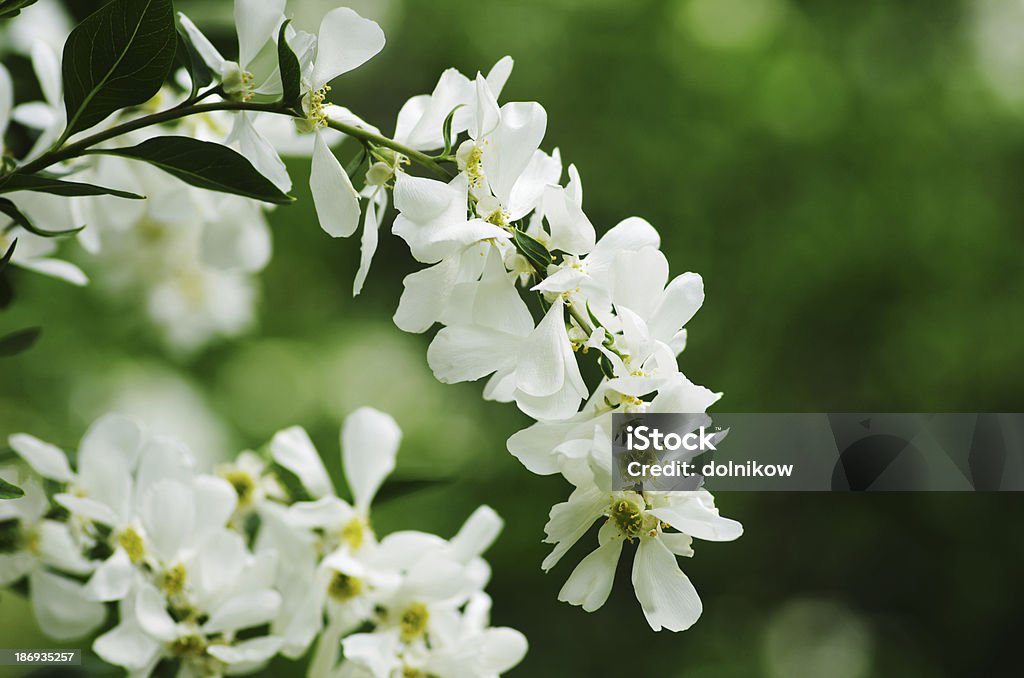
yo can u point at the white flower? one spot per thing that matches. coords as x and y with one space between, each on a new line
535 366
36 547
47 117
666 595
345 42
33 252
421 119
502 159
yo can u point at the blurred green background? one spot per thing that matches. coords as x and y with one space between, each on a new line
845 176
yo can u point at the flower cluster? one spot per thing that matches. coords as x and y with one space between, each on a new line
221 572
503 227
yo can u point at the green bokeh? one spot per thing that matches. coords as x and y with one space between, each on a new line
846 177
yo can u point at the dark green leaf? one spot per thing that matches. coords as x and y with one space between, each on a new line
447 130
17 342
9 491
41 183
118 57
198 71
11 8
532 250
355 163
7 207
204 165
7 256
290 73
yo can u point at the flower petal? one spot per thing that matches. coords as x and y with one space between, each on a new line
61 607
591 582
257 21
336 201
369 445
292 449
666 595
47 460
345 41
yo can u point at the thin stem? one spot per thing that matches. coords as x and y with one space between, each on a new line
79 147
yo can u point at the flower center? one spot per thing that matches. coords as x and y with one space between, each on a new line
173 580
353 533
344 587
317 114
131 542
244 484
192 645
627 517
238 83
413 622
475 167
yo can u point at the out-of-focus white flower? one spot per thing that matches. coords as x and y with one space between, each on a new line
40 549
47 117
42 23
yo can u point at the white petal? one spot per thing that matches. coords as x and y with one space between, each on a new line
61 607
259 152
534 446
56 268
666 595
487 115
292 449
571 230
477 534
6 99
682 299
425 295
256 651
369 444
639 277
468 353
244 611
162 458
112 580
336 201
541 368
14 566
215 501
256 21
151 612
632 233
591 582
346 41
498 75
169 516
47 460
367 245
56 547
203 46
501 648
46 65
127 645
513 145
699 521
571 519
89 508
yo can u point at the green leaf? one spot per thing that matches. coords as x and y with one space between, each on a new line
9 491
447 130
532 250
11 8
43 183
291 76
7 207
7 256
16 342
205 165
198 71
118 57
